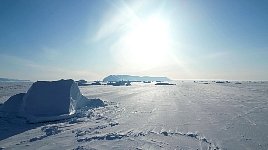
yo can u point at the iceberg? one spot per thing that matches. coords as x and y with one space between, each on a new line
49 101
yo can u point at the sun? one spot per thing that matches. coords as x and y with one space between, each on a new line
147 42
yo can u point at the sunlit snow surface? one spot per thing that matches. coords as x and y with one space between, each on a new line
145 116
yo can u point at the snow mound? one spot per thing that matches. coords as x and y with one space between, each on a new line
49 100
13 104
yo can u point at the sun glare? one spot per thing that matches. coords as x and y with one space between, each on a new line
147 43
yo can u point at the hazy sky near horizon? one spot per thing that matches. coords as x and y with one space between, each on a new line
90 39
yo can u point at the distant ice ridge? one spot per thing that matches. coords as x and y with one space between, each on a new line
12 80
49 100
116 78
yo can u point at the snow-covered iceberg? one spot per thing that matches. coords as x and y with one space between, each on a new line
49 100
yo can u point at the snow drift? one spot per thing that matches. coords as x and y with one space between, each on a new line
49 100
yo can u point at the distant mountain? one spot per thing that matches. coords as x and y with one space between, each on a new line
12 80
115 78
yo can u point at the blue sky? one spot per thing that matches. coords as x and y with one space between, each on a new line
211 39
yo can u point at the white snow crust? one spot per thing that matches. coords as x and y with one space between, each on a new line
185 116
